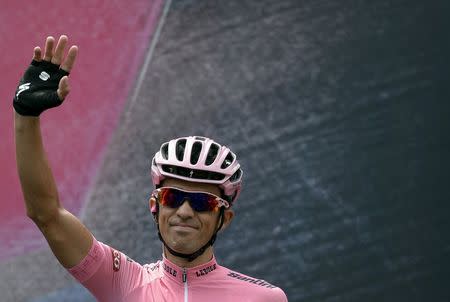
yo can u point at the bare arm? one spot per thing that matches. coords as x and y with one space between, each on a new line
68 238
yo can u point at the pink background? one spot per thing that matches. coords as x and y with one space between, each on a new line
112 37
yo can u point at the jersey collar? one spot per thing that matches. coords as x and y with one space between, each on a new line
193 274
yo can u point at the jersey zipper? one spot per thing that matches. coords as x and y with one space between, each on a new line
185 285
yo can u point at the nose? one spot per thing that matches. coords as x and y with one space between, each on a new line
185 210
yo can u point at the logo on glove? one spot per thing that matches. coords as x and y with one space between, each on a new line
44 76
22 88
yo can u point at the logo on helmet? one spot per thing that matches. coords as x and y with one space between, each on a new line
191 173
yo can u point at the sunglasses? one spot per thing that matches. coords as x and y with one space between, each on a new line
199 201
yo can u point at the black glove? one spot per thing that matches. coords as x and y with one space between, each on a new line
37 88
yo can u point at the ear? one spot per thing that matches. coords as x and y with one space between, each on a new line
227 218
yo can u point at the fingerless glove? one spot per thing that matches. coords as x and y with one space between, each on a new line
37 88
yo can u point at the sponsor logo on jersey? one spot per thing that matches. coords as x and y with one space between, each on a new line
170 270
151 267
205 271
251 280
116 260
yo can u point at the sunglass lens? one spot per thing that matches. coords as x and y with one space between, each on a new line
201 202
171 198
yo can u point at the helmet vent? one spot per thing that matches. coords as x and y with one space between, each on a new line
236 176
228 161
196 149
212 154
165 151
179 149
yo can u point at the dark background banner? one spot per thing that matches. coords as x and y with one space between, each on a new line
338 111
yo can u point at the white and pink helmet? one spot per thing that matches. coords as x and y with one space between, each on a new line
198 159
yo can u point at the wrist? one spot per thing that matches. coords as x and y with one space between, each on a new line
22 122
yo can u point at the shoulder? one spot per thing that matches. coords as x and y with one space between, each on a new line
121 261
108 273
260 289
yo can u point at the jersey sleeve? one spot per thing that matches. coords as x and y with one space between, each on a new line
107 273
280 295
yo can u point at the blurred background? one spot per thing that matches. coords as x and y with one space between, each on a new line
338 111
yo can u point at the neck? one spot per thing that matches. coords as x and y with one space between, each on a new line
182 262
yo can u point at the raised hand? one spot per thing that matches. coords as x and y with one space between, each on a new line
45 83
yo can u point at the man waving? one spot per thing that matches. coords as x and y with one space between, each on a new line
196 179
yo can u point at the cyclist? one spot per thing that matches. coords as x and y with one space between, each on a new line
197 180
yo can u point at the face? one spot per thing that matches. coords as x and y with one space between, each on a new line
184 229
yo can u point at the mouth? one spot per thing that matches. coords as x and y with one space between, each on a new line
183 226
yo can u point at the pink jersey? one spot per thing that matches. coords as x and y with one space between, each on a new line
111 276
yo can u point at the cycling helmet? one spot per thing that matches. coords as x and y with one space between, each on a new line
198 159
